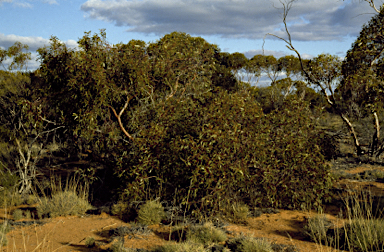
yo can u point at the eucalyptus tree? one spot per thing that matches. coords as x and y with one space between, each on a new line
24 130
358 79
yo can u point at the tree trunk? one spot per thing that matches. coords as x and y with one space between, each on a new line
376 135
353 134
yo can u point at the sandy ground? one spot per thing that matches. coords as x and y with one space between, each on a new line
69 233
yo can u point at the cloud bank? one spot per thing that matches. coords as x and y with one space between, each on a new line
313 20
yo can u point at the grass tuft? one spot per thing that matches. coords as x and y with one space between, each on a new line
152 212
317 229
206 234
249 244
63 204
90 242
17 214
182 247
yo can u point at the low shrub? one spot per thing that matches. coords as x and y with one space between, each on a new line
152 212
63 204
10 197
118 246
132 229
17 214
124 211
90 242
206 234
27 214
249 244
238 213
182 247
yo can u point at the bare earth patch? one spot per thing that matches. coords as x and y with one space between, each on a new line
70 233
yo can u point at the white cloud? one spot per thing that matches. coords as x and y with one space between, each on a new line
50 1
34 43
308 20
277 54
26 4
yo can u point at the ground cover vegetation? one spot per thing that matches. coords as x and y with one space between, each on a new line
178 122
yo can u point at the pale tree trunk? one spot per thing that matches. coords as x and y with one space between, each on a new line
353 134
376 135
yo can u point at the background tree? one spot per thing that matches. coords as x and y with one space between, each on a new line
362 83
15 52
327 89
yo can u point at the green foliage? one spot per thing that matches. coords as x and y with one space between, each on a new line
152 212
152 115
206 234
329 145
362 68
226 147
19 58
62 204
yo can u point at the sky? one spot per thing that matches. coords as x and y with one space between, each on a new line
316 26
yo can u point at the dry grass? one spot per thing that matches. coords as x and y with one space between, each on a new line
361 230
70 200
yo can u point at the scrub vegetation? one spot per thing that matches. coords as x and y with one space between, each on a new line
176 130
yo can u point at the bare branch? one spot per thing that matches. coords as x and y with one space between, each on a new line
287 5
372 4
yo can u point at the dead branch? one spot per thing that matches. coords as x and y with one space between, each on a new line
287 5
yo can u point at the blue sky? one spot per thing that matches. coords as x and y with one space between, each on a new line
317 26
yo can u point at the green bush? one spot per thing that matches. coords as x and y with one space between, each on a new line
63 204
206 234
221 146
152 212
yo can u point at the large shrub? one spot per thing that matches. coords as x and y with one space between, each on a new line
217 147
